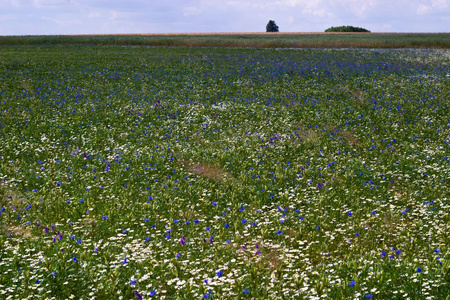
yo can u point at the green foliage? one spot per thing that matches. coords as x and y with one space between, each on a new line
184 173
379 40
346 29
272 27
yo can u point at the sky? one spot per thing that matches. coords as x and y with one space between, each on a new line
43 17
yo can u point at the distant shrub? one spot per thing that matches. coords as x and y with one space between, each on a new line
272 27
346 29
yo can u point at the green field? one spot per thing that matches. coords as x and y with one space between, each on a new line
131 172
248 40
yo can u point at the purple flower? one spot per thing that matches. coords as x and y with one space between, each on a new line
320 185
183 241
139 296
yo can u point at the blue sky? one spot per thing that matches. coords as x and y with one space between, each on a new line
31 17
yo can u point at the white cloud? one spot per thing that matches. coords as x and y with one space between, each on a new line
114 16
191 11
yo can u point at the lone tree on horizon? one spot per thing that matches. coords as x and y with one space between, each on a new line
271 26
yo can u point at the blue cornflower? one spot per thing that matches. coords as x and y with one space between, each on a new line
369 296
244 221
219 273
246 291
383 254
152 293
279 232
226 225
419 270
132 282
352 284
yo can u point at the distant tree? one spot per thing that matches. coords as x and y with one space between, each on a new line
346 29
271 27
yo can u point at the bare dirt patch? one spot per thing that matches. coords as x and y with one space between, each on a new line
20 231
351 138
207 170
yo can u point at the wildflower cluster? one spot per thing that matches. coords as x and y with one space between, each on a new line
224 173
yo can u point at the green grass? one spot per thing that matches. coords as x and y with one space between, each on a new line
263 40
183 173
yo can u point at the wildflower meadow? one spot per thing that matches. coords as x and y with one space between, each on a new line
132 172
